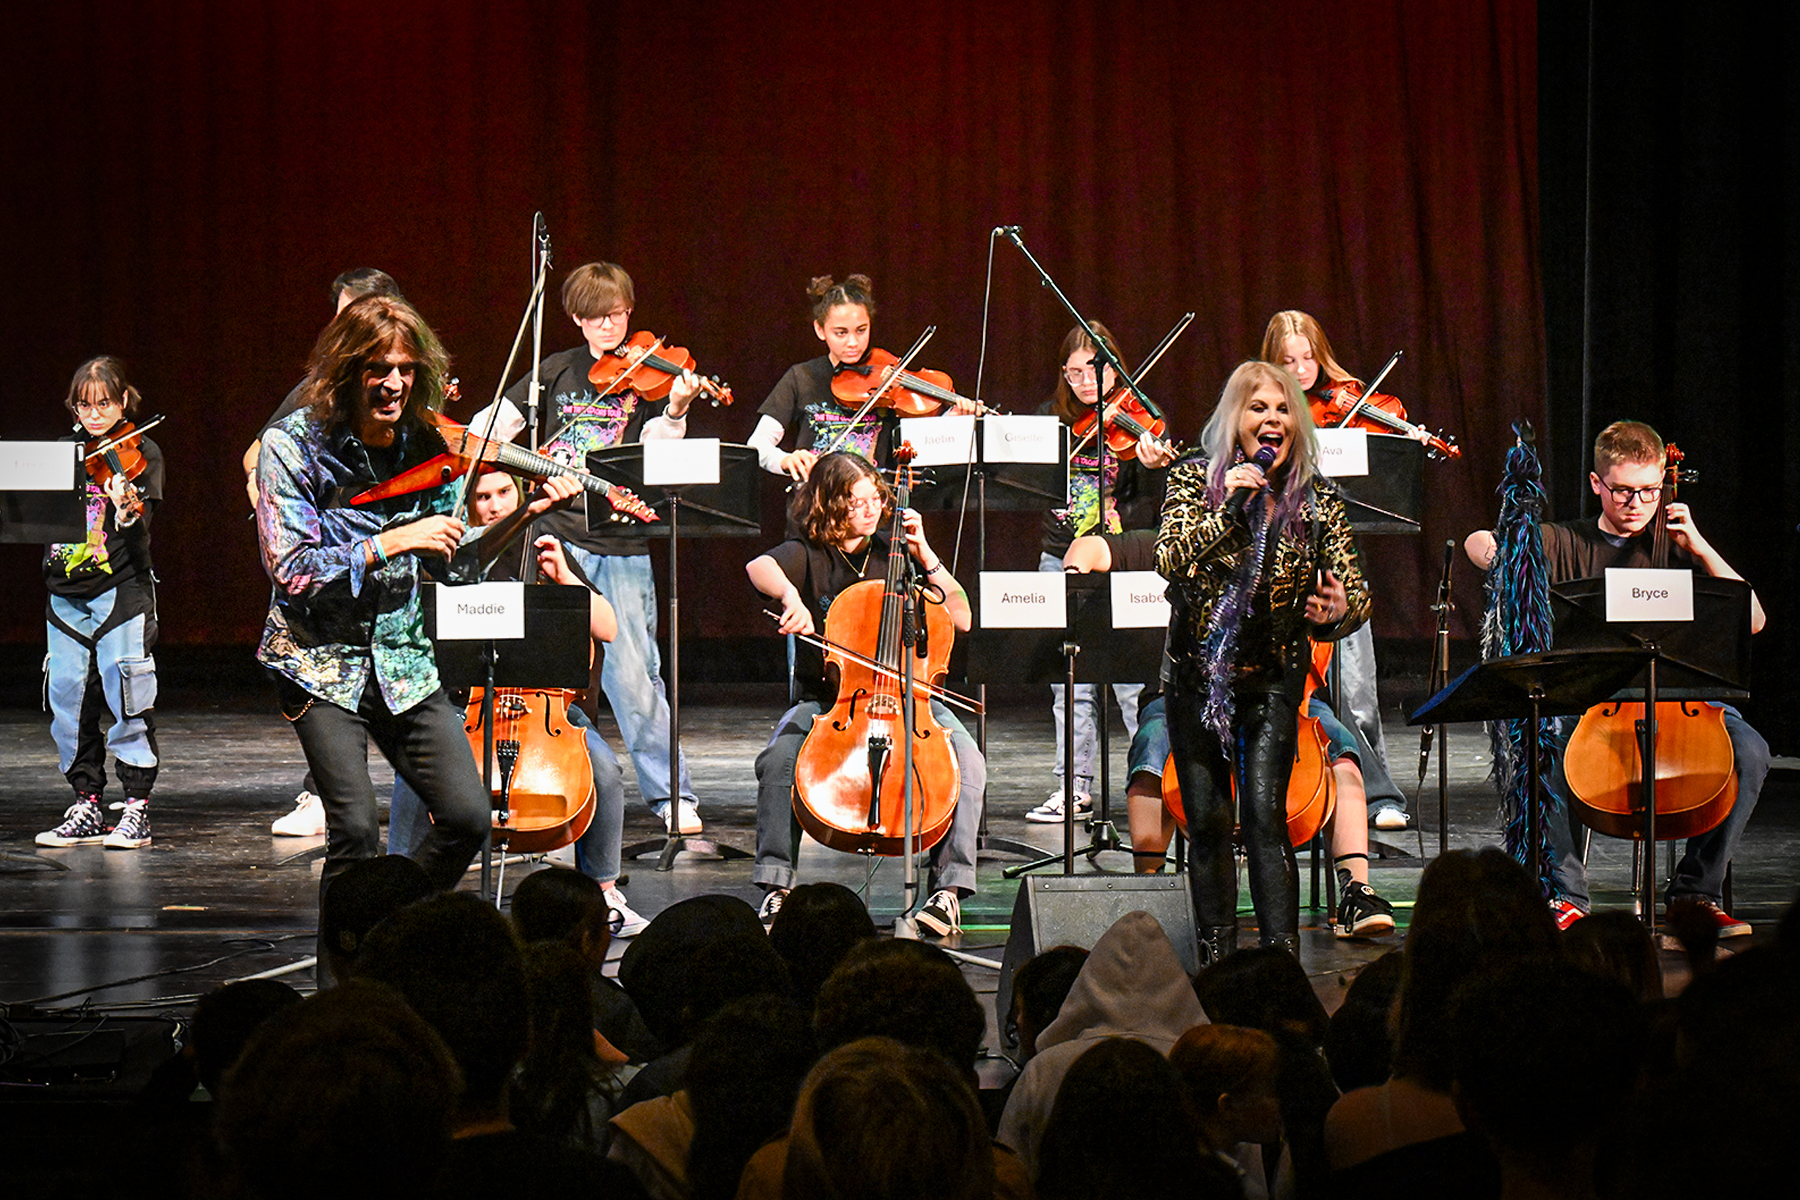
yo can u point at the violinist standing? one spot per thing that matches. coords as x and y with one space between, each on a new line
1250 583
802 403
841 511
1131 487
101 626
345 637
1295 342
1627 476
575 420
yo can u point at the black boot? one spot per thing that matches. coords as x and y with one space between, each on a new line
1289 943
1216 941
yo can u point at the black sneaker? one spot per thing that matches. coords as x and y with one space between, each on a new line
942 913
83 825
1361 913
771 905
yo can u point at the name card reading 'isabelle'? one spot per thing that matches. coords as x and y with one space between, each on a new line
1344 453
479 611
1643 594
1139 600
1023 600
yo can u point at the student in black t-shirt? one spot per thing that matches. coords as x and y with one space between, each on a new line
100 678
1628 478
842 512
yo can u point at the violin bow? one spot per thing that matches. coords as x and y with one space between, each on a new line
1369 390
114 442
625 376
875 397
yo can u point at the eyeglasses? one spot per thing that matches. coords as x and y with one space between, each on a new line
1644 495
615 317
1078 374
101 405
864 503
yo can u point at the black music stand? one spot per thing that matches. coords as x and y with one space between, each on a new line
1016 487
1554 683
1086 649
1691 660
552 654
732 507
41 499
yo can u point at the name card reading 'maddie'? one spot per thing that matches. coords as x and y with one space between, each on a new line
1642 594
479 611
1139 600
1023 600
1344 453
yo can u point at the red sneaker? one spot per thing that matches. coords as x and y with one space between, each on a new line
1564 913
1727 925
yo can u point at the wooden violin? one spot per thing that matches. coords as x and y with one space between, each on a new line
1312 788
118 454
464 450
645 365
1346 406
543 781
918 393
849 779
1696 768
1124 415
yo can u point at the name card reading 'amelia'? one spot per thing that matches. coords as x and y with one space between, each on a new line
1344 453
1023 600
479 611
1642 594
1139 600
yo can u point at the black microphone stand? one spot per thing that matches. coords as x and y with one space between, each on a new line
1440 677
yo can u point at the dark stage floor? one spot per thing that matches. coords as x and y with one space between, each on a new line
218 898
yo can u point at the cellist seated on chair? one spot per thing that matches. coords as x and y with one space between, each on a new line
841 511
493 510
1628 478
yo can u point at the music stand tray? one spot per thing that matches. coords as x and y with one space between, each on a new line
1707 658
731 507
41 497
1391 497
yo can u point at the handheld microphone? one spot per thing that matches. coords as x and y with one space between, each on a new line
1262 460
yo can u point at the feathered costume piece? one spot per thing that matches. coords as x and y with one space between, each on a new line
1517 621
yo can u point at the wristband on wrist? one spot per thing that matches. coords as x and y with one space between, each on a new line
381 556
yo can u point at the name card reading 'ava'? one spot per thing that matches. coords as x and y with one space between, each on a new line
1139 600
1023 600
478 611
939 441
1344 453
676 462
1642 594
1027 439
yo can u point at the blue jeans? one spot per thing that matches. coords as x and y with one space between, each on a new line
1701 871
101 685
1086 711
777 830
631 672
596 851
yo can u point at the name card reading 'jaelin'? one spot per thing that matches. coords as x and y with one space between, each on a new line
1643 594
479 611
939 441
1139 600
1023 600
677 462
1344 453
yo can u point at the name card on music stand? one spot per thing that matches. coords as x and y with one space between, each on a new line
1023 600
1647 594
1140 600
681 462
41 497
940 441
1344 453
478 611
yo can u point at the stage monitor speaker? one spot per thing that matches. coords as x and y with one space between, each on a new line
1074 910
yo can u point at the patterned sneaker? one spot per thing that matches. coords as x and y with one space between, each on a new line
625 920
1361 913
82 825
771 905
307 819
1050 812
133 830
1565 914
942 913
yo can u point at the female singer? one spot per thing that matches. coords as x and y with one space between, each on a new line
101 618
1256 562
1130 488
1295 342
842 511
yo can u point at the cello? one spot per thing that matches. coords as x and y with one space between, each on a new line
543 789
1312 788
1696 769
850 781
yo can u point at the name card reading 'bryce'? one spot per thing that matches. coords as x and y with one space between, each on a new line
1642 594
479 611
1023 600
1344 453
1139 600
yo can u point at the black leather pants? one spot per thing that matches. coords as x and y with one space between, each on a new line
1263 753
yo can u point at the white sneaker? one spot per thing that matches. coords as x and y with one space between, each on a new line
689 815
1389 819
626 922
307 819
771 905
1050 812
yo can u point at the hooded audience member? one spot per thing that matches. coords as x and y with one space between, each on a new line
1132 985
